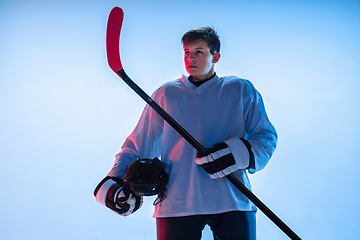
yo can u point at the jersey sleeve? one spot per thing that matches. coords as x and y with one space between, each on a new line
260 132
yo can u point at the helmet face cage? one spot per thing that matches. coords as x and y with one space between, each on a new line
146 177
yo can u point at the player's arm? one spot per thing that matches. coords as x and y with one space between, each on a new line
252 153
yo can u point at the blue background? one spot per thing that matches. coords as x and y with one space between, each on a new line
65 114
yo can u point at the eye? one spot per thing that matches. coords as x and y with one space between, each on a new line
199 51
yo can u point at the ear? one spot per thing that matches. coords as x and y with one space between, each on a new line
216 57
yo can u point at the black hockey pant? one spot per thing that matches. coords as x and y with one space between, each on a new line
235 225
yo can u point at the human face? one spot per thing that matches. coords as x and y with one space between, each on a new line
199 61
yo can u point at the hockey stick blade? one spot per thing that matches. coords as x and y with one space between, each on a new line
113 38
112 45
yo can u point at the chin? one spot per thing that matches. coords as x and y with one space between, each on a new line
192 72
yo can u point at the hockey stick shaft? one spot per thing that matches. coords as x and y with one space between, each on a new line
193 142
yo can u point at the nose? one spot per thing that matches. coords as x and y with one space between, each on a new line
191 57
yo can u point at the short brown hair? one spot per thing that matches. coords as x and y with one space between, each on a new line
207 34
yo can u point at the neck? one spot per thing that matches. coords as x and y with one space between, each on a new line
199 82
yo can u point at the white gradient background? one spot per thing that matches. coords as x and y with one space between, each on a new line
65 114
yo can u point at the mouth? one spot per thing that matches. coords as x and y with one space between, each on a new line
191 66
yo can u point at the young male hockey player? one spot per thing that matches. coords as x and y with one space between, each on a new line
227 116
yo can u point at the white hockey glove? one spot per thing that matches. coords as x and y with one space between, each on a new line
114 194
225 157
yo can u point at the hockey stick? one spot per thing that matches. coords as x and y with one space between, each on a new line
113 53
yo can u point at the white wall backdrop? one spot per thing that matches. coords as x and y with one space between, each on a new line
65 114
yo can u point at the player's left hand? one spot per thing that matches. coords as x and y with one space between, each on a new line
224 158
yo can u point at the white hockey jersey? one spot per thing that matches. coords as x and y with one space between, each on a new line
220 109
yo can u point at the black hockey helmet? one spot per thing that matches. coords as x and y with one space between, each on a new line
147 177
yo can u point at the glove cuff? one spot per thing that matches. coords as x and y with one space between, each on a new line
102 190
240 152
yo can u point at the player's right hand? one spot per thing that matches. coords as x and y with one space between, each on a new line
115 194
125 202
